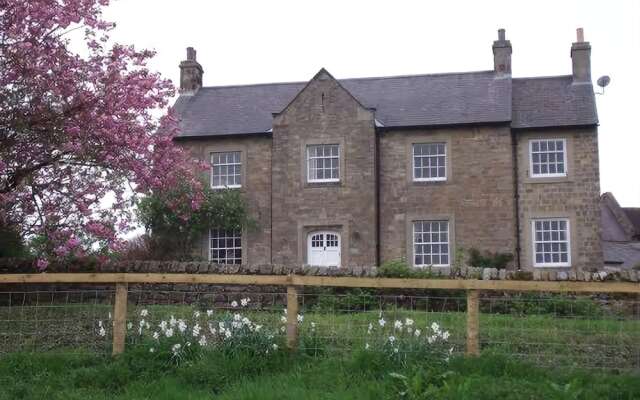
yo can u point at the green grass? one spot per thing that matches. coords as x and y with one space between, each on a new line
601 340
359 375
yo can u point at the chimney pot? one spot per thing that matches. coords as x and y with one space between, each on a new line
190 73
502 55
581 59
191 54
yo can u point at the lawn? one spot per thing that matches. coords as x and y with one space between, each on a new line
591 340
280 375
530 350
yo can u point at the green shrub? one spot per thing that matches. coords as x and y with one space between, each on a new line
537 303
400 269
11 244
172 237
488 259
338 299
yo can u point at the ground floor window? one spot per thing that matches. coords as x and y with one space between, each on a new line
551 245
323 248
431 243
225 246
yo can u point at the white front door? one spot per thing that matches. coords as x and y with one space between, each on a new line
323 248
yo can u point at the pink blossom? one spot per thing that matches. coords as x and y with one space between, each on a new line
101 134
73 242
42 264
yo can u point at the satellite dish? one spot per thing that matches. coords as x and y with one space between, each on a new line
603 81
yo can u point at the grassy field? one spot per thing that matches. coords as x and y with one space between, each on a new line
539 349
359 375
594 340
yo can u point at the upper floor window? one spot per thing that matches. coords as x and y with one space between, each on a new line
551 246
548 158
431 243
226 170
225 246
430 162
323 163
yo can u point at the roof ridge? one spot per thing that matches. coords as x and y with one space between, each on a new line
351 79
542 77
253 84
418 75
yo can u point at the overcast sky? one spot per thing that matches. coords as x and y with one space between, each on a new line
241 42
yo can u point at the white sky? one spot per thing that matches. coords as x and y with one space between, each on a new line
241 42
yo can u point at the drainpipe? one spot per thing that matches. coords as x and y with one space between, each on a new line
377 173
271 202
516 194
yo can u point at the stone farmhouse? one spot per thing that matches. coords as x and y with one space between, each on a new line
367 170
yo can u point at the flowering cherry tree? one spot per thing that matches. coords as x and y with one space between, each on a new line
78 129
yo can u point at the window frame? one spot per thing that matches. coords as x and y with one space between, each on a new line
564 159
212 165
534 242
308 161
448 243
413 162
237 234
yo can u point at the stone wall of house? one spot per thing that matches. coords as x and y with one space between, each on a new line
256 187
324 113
477 198
575 196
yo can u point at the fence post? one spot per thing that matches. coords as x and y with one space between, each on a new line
292 317
473 323
120 318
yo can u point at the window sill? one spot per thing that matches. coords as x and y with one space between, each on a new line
430 179
226 187
547 179
323 181
564 265
429 182
432 266
333 183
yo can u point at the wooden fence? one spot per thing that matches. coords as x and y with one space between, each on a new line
293 282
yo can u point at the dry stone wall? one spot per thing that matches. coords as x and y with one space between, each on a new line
8 266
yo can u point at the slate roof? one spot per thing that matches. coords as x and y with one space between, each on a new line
621 254
400 101
633 213
552 101
620 232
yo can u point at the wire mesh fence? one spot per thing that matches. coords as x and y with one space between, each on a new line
592 331
54 320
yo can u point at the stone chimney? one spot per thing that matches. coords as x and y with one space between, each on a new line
190 73
502 55
581 59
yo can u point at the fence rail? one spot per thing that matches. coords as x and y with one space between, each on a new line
473 289
327 281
